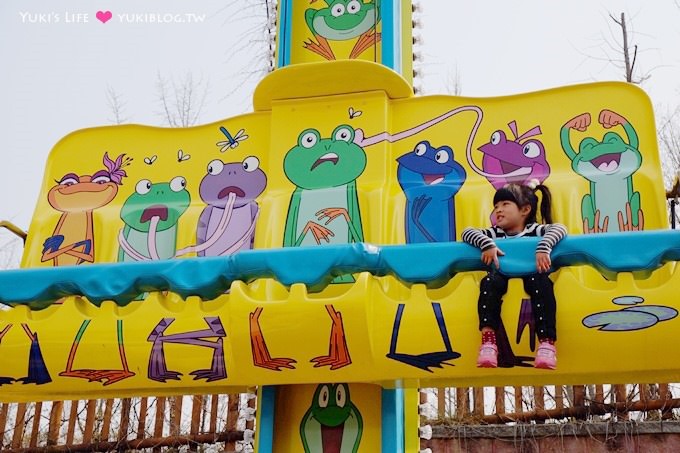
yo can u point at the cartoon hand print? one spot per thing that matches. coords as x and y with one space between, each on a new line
609 119
580 122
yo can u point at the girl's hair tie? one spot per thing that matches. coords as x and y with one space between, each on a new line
533 183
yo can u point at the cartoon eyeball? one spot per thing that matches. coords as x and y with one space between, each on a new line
215 167
69 180
420 149
531 150
143 187
341 395
441 157
324 395
177 183
308 139
496 137
338 10
353 7
251 163
343 133
101 179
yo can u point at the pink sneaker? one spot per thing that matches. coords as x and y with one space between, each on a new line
546 356
488 356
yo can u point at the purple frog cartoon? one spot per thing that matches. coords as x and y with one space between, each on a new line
513 161
227 223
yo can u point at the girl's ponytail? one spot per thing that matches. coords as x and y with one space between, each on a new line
546 203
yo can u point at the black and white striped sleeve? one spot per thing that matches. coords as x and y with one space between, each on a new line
551 234
479 238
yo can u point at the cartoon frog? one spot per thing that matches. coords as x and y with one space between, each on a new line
609 166
342 20
430 178
151 214
244 181
517 160
332 423
324 171
76 197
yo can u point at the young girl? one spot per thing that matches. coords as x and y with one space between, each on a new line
515 208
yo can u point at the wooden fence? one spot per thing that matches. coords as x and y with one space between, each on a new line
456 407
128 423
493 405
222 421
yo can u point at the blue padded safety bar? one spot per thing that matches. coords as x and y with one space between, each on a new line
432 264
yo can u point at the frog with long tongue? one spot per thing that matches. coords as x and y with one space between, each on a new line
227 224
151 214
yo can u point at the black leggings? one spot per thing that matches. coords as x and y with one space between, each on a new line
540 290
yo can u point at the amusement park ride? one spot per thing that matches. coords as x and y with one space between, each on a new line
312 248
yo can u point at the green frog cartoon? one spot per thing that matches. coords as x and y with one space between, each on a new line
332 423
324 206
323 209
151 214
609 166
342 20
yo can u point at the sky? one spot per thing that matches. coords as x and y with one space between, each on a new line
58 61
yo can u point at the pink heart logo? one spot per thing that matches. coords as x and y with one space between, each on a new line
104 16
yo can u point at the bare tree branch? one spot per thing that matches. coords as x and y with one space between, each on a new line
10 252
454 84
182 102
669 141
252 57
618 49
628 60
116 105
163 99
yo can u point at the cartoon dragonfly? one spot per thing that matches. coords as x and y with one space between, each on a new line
231 141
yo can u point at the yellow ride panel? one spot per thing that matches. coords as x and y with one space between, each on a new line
329 170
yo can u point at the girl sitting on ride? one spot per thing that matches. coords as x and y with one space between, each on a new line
515 208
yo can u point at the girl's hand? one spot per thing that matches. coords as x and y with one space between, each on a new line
491 256
543 261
